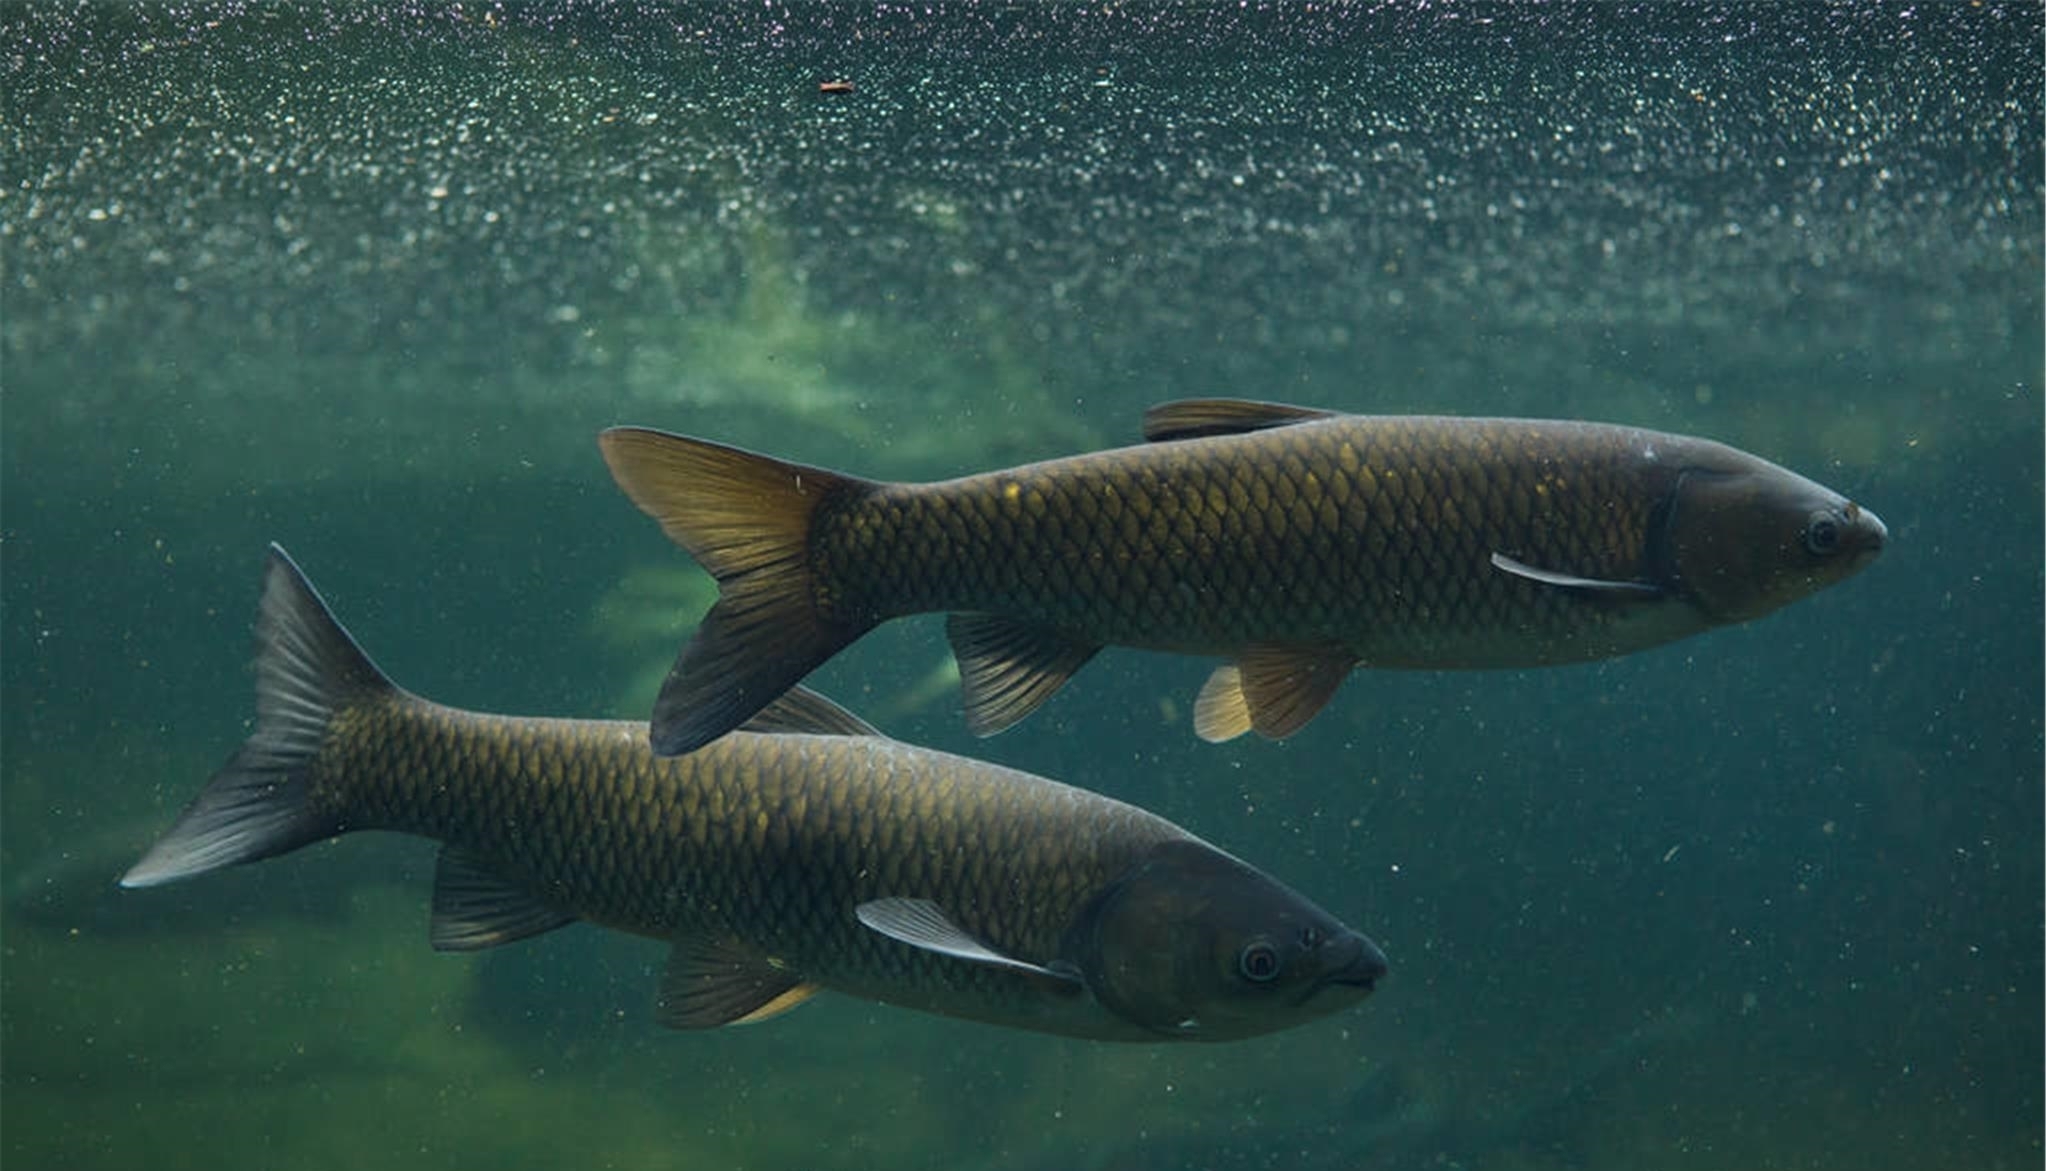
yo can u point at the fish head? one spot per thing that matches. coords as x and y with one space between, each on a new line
1192 943
1743 537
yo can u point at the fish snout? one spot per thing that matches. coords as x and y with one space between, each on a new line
1870 534
1362 967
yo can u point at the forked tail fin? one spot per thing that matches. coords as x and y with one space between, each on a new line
256 806
746 518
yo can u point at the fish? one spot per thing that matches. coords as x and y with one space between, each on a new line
1295 543
803 852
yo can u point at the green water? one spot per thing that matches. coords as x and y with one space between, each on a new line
367 283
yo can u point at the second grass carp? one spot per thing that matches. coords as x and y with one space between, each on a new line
804 852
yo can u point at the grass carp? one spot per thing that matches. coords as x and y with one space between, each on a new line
1297 543
804 852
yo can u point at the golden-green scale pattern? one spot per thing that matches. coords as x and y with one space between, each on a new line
1373 532
768 839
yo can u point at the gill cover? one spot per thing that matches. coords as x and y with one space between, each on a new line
1193 943
1743 542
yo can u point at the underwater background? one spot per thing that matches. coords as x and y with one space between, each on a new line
366 280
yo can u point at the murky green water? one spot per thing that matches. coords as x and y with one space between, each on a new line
367 284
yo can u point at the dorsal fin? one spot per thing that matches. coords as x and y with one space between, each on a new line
802 710
1196 418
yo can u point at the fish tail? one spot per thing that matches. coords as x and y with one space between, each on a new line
260 803
747 519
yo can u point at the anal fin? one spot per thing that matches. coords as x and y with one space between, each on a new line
713 982
473 908
1007 668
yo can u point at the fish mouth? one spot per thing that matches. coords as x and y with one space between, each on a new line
1362 968
1875 536
1870 533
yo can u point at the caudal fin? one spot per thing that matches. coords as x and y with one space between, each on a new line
256 806
746 519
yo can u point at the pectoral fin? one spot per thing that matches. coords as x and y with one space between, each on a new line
1007 668
1274 689
922 923
473 908
1507 564
712 982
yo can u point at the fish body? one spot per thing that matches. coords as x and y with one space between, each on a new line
1297 543
807 852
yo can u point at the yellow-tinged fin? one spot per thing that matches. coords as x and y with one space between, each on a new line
746 518
1220 711
1274 689
710 982
780 1004
473 908
257 806
1286 685
1008 668
1198 418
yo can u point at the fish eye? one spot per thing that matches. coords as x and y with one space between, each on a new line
1822 534
1259 962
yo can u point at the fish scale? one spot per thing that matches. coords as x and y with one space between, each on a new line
751 802
1270 527
486 782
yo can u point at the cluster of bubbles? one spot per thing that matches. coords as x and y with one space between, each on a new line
1253 199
